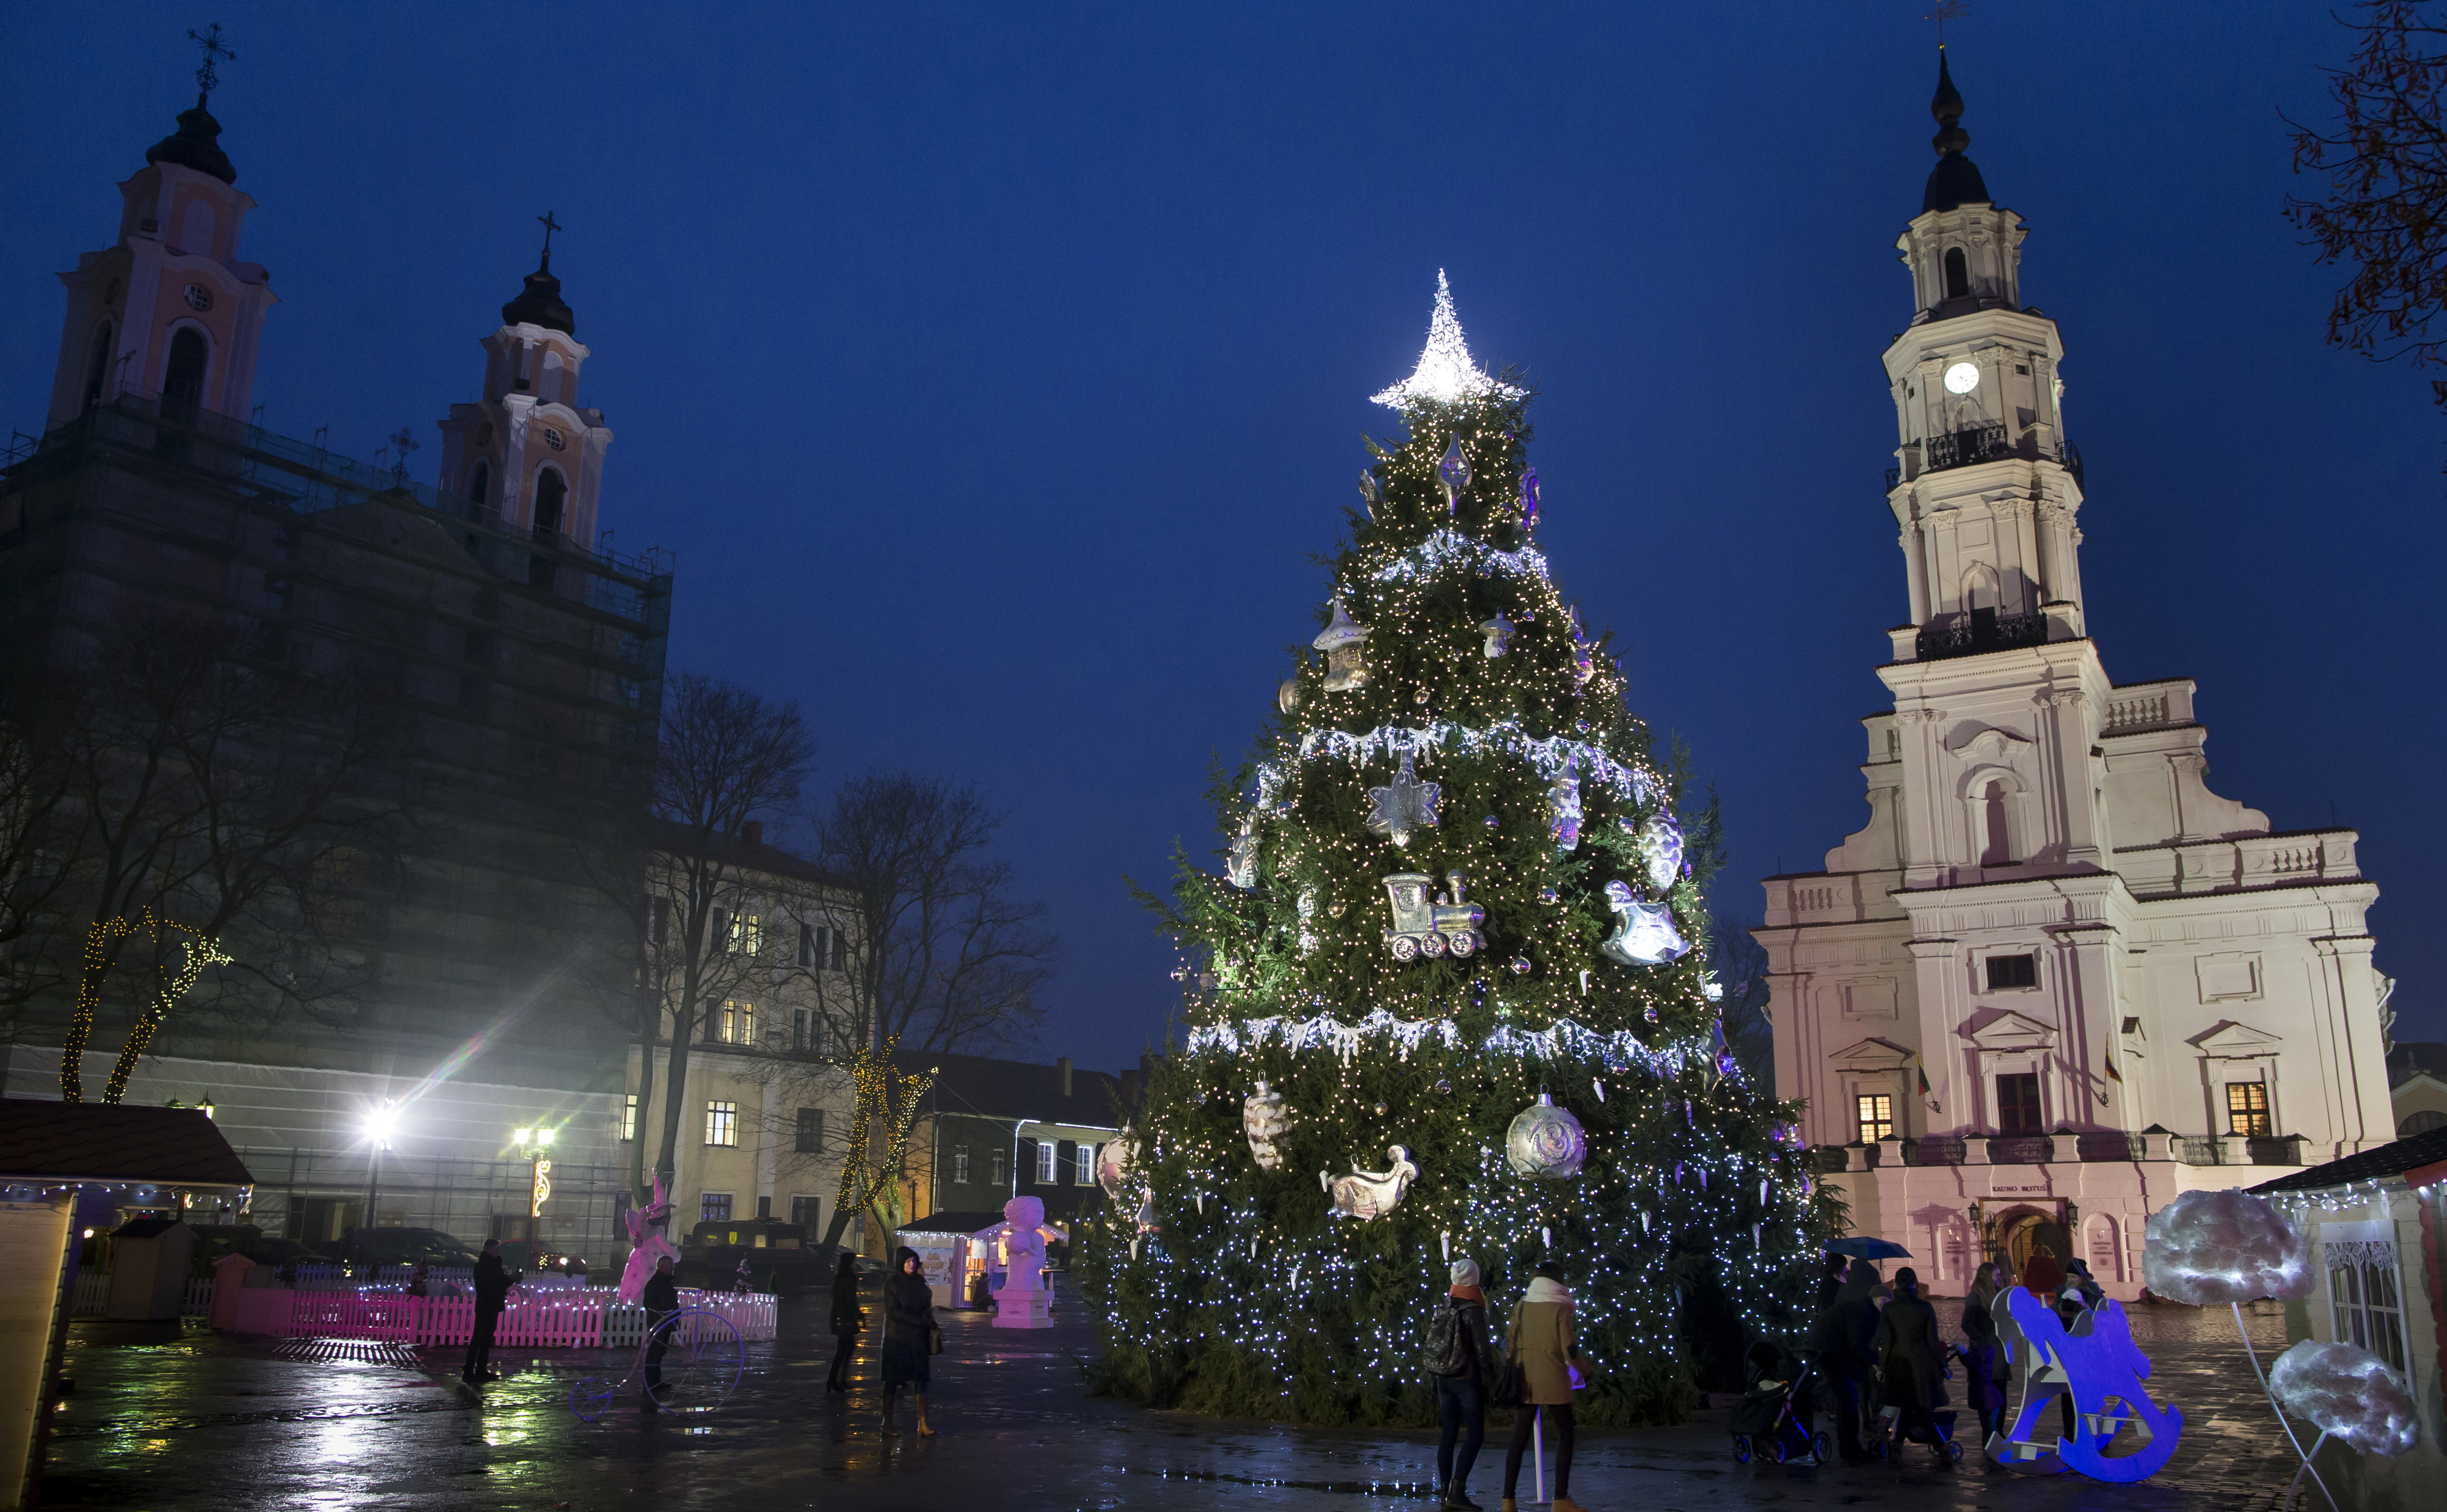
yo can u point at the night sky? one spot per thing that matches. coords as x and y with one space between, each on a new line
996 371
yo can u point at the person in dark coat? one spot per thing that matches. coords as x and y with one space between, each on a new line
908 1336
492 1282
849 1322
1840 1339
662 1298
1832 1282
1911 1365
1984 1352
1461 1399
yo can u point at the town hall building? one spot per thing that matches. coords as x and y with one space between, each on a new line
2055 980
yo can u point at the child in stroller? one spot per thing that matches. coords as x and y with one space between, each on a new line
1773 1418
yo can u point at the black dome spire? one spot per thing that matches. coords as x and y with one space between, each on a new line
1955 179
541 303
196 144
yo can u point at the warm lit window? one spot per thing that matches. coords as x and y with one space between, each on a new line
2246 1108
738 1023
1087 1164
2012 971
811 1131
714 1207
747 934
1877 1114
722 1125
2018 1104
960 1163
1046 1155
629 1119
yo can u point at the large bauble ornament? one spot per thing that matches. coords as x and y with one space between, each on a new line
1288 697
1645 936
1346 644
1405 805
1264 1118
1546 1141
1113 1162
1366 1195
1453 472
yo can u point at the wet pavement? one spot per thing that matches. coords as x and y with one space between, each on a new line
177 1417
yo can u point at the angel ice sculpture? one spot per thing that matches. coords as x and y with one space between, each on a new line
649 1242
1366 1195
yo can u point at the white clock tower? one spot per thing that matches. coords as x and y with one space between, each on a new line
2055 979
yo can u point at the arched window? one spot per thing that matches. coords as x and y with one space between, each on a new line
97 366
551 490
1958 274
480 490
182 379
1997 830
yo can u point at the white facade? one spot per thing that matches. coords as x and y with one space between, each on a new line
2050 933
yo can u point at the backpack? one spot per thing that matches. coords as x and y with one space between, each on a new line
1446 1351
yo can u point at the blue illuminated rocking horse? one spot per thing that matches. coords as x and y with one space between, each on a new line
2099 1365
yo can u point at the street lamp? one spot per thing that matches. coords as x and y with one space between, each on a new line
206 1105
537 1143
379 1124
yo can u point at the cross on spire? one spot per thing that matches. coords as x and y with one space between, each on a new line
550 226
206 79
1948 11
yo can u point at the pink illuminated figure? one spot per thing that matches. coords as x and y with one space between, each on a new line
650 1243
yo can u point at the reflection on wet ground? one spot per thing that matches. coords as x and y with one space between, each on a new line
184 1418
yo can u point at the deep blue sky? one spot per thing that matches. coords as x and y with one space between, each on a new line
994 370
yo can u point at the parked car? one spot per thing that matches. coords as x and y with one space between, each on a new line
214 1240
399 1246
779 1258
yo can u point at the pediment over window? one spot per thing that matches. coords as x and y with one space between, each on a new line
1872 1055
1989 745
2235 1041
2008 1031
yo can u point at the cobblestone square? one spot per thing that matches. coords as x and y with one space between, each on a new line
180 1418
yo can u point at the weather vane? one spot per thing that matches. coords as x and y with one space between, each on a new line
206 79
1948 11
550 226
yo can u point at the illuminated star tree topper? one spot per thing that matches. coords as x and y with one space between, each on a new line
1444 374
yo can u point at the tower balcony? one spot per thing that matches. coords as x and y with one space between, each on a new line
1981 631
1977 444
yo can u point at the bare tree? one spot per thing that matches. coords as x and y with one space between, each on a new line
937 955
214 793
726 757
40 827
1741 967
2384 213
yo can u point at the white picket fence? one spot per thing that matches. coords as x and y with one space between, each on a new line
329 1275
556 1318
93 1296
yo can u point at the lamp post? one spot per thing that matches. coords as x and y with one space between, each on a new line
378 1129
537 1144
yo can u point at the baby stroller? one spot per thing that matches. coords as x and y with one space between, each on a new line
1773 1418
1887 1442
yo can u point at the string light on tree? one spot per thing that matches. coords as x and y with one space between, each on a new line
1457 680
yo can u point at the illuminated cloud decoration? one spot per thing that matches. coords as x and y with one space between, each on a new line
2346 1394
2211 1247
1445 375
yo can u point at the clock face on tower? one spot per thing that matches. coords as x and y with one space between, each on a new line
1961 378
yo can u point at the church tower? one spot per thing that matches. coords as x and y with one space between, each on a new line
2055 979
525 456
168 310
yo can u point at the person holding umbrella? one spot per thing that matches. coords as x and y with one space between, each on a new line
1841 1338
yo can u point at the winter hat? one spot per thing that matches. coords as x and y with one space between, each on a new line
1465 1272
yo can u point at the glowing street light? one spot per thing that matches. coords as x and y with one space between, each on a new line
381 1124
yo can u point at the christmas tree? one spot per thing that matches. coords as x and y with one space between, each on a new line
1453 997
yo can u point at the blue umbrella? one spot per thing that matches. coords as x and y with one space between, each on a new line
1868 1248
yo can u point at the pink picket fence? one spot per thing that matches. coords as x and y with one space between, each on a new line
563 1318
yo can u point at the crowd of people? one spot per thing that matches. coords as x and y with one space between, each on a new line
1885 1366
1877 1358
